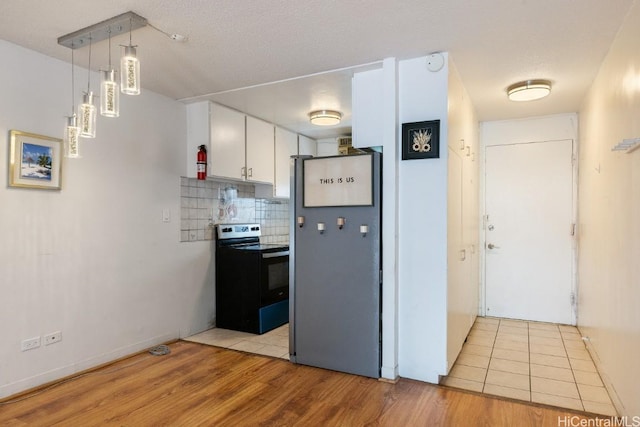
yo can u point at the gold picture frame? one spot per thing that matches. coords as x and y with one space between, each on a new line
35 161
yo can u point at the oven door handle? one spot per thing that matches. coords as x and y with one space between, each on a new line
275 254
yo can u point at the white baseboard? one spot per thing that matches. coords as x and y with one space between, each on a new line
10 389
615 399
389 372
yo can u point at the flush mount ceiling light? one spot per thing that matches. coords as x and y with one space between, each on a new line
529 90
325 117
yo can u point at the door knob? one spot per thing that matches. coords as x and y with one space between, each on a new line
492 246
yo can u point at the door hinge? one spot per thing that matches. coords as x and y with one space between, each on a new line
573 229
573 299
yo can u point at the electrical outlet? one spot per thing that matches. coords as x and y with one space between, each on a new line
30 344
52 338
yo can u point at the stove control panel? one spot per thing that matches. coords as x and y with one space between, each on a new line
235 231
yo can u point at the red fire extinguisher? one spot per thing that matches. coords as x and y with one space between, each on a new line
202 162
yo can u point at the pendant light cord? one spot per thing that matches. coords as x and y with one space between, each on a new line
109 48
149 24
73 92
89 75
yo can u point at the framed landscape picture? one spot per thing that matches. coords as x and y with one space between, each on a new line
35 161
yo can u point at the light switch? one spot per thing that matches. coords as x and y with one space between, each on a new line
166 215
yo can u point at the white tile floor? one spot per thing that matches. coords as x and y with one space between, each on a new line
274 343
532 361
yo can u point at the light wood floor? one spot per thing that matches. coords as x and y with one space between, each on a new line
202 385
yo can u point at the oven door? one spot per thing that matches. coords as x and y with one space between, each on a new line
274 283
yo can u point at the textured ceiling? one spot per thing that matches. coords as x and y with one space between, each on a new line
234 44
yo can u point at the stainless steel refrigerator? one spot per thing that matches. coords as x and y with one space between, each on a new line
335 263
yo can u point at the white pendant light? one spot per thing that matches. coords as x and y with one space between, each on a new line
87 110
130 70
71 140
87 114
325 117
125 22
72 131
109 90
109 95
529 90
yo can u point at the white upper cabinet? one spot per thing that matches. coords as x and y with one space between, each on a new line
227 148
286 146
260 151
307 146
241 147
367 108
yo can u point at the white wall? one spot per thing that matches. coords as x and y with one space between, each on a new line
327 147
531 129
609 213
390 190
94 260
422 236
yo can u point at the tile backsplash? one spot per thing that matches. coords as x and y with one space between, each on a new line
206 203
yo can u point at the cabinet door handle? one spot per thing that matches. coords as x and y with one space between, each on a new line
243 172
250 172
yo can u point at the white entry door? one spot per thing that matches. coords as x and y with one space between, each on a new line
528 231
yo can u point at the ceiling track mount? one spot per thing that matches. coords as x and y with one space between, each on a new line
117 25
